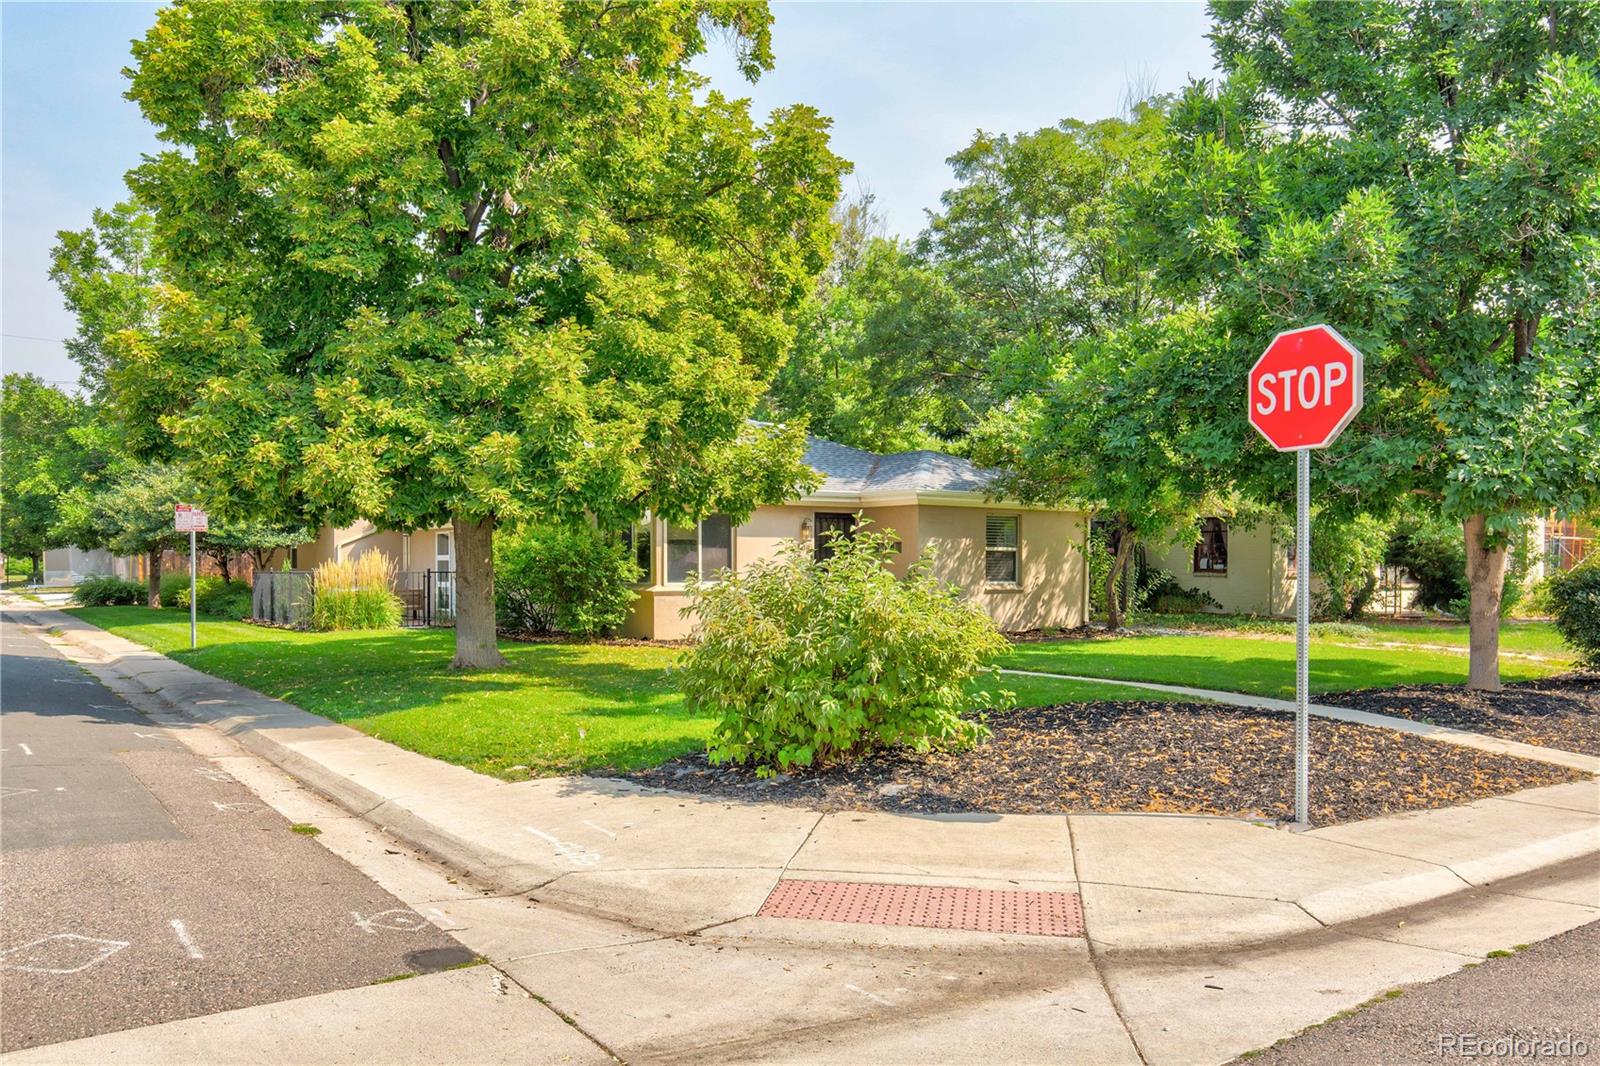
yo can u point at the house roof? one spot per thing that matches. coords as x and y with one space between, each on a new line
854 470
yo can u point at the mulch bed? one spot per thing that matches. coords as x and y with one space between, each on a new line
1141 756
1554 712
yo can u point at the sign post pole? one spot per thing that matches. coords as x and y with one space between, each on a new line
194 641
1300 394
1302 638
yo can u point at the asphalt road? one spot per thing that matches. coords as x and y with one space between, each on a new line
1511 1009
141 883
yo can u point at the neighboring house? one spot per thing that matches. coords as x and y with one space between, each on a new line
68 566
1560 544
1023 565
1246 569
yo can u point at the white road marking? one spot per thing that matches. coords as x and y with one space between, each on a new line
25 749
869 995
70 681
239 808
575 854
106 949
152 736
182 933
211 773
7 791
398 919
601 829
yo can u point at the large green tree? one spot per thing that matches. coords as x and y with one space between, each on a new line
1425 177
129 512
470 263
48 446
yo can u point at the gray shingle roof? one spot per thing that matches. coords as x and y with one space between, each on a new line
855 470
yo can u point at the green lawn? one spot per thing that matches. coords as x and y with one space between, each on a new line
1264 667
559 708
1532 638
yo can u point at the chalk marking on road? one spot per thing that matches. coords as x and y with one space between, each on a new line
107 949
863 992
182 933
601 829
154 736
237 808
211 773
25 749
397 919
7 791
70 681
576 854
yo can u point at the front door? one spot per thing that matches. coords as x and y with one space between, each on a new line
444 604
829 527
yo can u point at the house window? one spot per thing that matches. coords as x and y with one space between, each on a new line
706 547
636 541
1000 549
1211 553
830 528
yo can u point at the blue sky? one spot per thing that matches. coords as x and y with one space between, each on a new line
906 85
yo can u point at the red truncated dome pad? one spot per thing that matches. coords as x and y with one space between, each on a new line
983 910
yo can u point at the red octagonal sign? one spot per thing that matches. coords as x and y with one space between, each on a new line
1305 388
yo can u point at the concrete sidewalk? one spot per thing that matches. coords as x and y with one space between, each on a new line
634 910
671 862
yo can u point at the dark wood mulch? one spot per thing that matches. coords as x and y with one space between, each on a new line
1141 756
1555 712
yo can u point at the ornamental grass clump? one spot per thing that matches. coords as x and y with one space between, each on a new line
806 663
355 594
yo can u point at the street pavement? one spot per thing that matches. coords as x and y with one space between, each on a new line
1541 1004
142 883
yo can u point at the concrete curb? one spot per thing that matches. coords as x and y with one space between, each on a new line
695 863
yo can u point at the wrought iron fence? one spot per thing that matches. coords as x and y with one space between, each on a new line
283 597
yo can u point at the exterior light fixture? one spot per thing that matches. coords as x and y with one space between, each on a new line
805 529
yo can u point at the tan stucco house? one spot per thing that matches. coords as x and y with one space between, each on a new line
1024 565
1246 569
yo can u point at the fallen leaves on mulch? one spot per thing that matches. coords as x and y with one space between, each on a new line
1560 712
1141 756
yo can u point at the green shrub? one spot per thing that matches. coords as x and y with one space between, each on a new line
1575 597
103 591
562 579
1160 591
175 589
805 663
1432 551
355 594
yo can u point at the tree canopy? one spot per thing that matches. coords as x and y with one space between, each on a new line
470 263
48 445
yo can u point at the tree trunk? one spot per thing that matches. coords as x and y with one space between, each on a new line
1119 563
1486 578
37 561
154 598
222 564
475 644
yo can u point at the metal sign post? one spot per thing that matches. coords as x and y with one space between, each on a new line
190 519
1301 393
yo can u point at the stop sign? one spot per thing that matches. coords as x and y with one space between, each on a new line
1305 388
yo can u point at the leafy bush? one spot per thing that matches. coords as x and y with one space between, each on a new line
1575 597
1431 550
804 662
103 591
175 588
562 579
1345 555
355 594
1161 591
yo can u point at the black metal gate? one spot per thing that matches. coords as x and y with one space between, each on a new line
427 597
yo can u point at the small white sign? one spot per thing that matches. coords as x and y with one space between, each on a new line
188 518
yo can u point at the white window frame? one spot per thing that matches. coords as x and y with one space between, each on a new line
667 579
648 524
1015 550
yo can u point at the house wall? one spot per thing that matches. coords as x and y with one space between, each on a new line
1257 581
1051 570
71 565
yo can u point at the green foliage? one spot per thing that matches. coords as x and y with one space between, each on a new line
562 579
132 513
216 597
1575 596
804 663
1160 591
48 446
105 591
1346 554
355 594
1431 551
